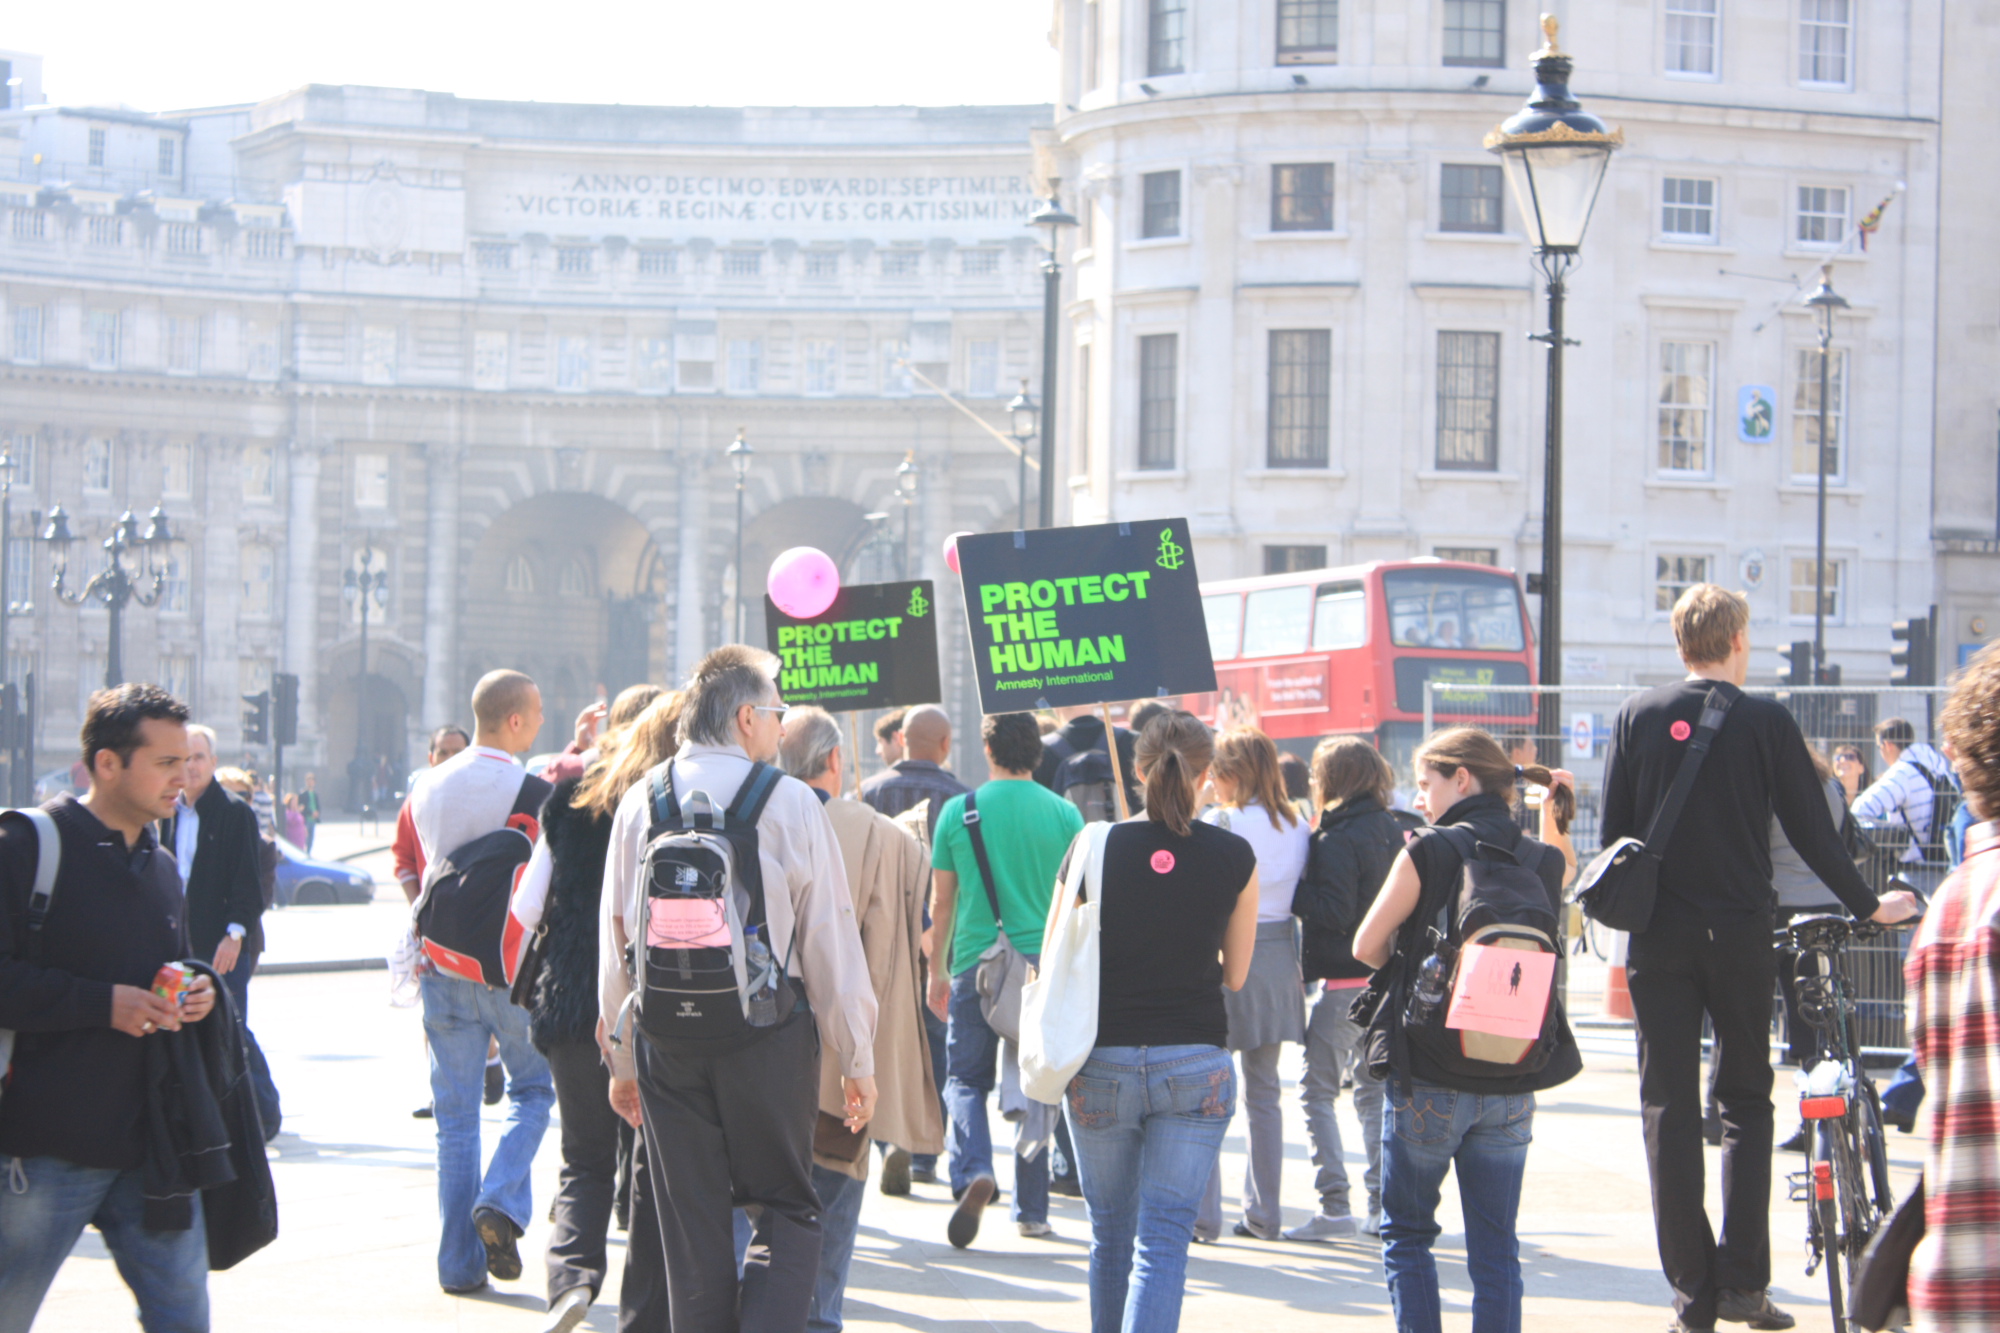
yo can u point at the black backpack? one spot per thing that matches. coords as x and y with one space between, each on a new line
1084 779
1945 797
462 919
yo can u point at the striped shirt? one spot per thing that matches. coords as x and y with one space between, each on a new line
1953 979
1902 797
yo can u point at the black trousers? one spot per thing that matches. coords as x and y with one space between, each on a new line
585 1189
1677 974
729 1131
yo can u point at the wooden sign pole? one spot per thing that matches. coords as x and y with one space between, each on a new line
1117 765
854 733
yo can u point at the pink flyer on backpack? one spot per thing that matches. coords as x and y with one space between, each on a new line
686 923
1502 992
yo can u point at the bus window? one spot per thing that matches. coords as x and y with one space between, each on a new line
1276 620
1340 616
1453 609
1224 614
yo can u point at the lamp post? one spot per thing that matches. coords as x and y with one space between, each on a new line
1826 301
7 466
364 586
906 486
1024 412
1555 155
115 586
1051 216
739 454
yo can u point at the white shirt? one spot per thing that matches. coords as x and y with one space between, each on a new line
1903 795
1281 854
187 827
811 920
467 796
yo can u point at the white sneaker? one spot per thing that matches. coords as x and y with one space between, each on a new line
1320 1227
1373 1226
568 1311
1036 1230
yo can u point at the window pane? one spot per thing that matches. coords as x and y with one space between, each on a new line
1166 36
1308 31
1453 609
1684 407
1158 354
1223 614
1471 199
1291 559
1162 204
1690 36
1340 616
1805 414
1687 208
1468 401
1823 41
1275 620
1472 31
1301 397
1674 575
1822 215
1302 197
1804 585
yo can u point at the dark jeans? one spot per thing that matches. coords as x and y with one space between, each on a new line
269 1109
590 1168
731 1130
1678 973
642 1294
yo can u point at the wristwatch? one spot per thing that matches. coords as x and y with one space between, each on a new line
237 932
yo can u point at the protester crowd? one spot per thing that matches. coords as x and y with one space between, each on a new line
742 979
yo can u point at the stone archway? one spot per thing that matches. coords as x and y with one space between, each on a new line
568 588
838 527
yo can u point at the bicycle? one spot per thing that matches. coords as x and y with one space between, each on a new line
1838 1102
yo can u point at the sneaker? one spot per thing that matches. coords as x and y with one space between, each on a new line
1037 1230
423 1112
1253 1231
963 1228
498 1233
496 1084
467 1290
568 1311
1372 1224
896 1173
1322 1227
1751 1307
1797 1142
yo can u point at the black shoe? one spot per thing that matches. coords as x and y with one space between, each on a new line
498 1233
1797 1142
963 1228
896 1173
423 1112
1067 1186
1908 1124
1751 1307
496 1084
466 1291
923 1175
1711 1132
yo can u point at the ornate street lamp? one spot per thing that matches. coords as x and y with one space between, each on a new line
1555 155
366 587
739 454
1827 302
115 586
1051 216
1025 416
906 486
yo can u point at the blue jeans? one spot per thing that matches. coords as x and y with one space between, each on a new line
972 1061
1423 1136
459 1016
1147 1122
839 1218
46 1202
269 1108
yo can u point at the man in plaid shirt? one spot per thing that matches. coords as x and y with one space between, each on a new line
1953 973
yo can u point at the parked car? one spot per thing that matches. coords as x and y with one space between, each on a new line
306 881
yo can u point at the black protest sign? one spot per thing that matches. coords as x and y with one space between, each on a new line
1063 616
875 647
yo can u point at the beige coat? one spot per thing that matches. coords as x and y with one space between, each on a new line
887 875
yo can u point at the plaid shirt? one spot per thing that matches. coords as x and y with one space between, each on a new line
1953 977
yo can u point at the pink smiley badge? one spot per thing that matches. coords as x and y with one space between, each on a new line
1680 731
1163 861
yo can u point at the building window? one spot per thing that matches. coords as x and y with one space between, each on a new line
493 256
982 367
1674 575
259 472
822 357
1093 47
575 259
1469 199
1301 405
573 363
183 338
378 354
1825 32
1166 36
28 333
746 365
20 572
371 481
906 263
22 450
1687 209
1302 197
1468 555
1472 32
19 667
97 465
742 263
1804 584
1805 416
1292 559
659 263
263 243
896 381
109 231
1159 354
96 146
653 364
1161 215
520 574
1692 26
167 156
174 586
979 263
260 580
1468 429
182 238
1684 407
101 339
1308 32
177 676
574 581
176 470
823 264
489 358
1822 215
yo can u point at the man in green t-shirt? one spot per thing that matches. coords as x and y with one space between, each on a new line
1026 830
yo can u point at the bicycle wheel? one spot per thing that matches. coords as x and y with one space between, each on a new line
1828 1147
1875 1150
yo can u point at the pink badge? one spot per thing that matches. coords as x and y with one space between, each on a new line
1163 862
1680 731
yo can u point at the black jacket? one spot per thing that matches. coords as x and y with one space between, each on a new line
1350 855
1082 733
224 885
565 1003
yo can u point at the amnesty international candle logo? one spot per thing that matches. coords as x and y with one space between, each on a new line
918 606
1062 616
874 647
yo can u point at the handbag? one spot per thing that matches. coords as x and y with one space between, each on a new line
1881 1293
1059 1004
1620 885
1002 969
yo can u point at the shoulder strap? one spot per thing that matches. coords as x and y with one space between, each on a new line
666 806
754 794
1061 748
979 854
48 861
1714 711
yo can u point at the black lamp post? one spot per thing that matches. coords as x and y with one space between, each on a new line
1827 302
7 466
1024 412
906 486
739 454
368 587
115 586
1555 155
1051 216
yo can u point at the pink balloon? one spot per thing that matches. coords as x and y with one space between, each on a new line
803 582
951 550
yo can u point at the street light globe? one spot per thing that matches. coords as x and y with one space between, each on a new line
1023 409
1052 215
906 474
739 453
1555 153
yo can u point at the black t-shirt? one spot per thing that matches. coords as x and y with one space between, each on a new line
1166 902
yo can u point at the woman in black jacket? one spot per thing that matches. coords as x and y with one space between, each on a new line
1352 849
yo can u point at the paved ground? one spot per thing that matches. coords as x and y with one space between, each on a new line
354 1174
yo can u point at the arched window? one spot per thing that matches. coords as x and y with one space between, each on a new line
260 579
520 574
575 578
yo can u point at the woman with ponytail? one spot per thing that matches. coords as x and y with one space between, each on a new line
1177 925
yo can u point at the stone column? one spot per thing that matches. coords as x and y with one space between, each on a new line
301 655
691 542
440 584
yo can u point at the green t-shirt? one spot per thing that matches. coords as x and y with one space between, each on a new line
1027 829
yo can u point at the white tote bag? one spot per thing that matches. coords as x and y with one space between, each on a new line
1059 1003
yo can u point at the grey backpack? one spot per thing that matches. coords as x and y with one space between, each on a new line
48 860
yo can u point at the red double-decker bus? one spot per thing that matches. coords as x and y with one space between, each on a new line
1328 652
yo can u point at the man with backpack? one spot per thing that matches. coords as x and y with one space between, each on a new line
1076 765
1917 795
476 817
727 936
1707 950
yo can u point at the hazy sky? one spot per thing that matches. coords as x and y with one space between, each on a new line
672 52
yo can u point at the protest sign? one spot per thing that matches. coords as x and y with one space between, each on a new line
875 647
1061 616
